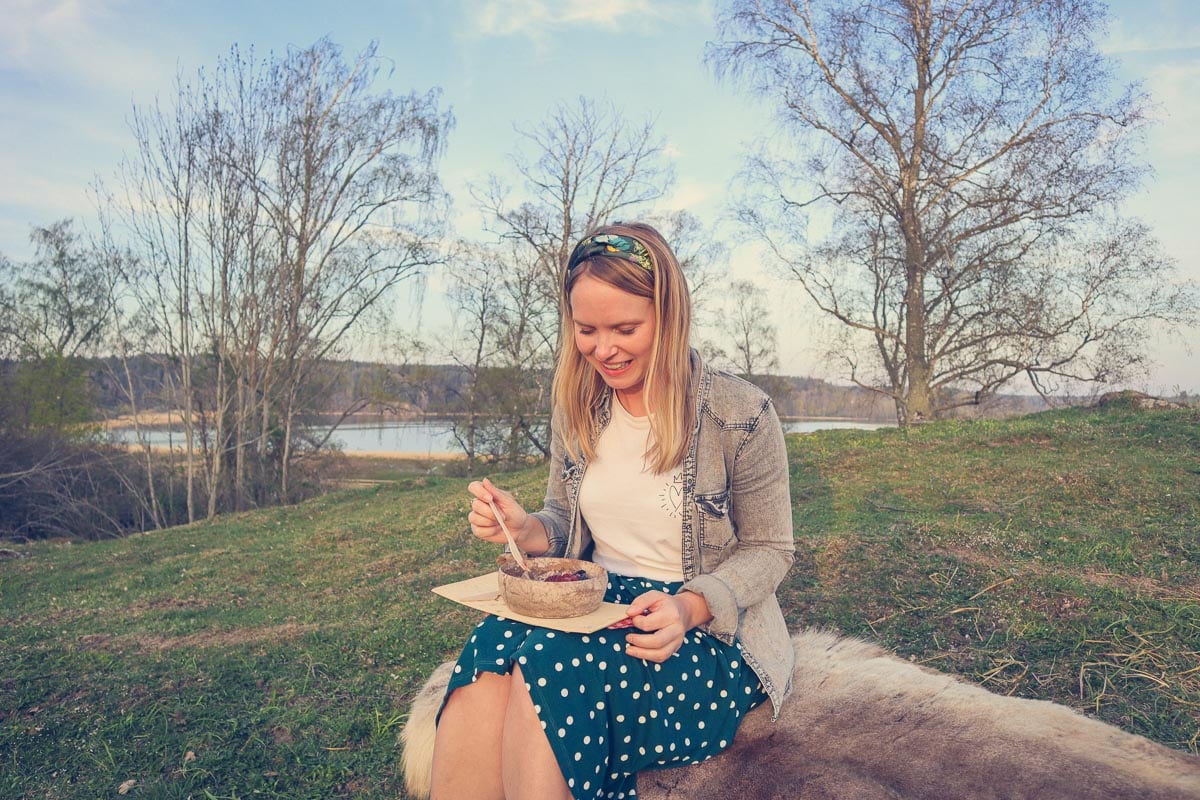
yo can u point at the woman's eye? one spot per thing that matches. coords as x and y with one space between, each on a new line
626 331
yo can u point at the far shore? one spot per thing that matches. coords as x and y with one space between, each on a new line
388 455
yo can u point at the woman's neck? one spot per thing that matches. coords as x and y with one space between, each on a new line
633 402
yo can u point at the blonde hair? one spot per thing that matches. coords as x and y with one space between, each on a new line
579 391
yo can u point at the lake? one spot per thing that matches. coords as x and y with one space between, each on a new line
432 437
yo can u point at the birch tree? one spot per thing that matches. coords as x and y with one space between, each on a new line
270 206
947 183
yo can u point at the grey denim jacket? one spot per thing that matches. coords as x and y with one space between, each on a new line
737 519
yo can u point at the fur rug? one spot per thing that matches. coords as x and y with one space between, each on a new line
861 724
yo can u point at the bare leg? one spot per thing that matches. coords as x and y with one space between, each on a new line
466 750
528 766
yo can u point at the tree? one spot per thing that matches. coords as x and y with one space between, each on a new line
746 327
53 313
268 210
965 167
580 167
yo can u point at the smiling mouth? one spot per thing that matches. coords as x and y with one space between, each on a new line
617 367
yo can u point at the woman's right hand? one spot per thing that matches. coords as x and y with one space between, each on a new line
483 521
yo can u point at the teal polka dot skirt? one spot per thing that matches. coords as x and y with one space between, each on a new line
608 716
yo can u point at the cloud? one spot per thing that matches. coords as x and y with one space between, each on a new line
1173 86
1164 34
537 19
31 27
85 44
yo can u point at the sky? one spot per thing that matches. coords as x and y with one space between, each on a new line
71 71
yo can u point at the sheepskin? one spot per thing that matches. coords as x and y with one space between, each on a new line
862 724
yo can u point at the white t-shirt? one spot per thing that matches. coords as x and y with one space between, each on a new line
635 515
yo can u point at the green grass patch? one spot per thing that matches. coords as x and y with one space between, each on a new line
274 653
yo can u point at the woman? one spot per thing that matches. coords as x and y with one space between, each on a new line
674 478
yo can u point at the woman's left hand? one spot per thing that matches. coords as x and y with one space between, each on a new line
663 620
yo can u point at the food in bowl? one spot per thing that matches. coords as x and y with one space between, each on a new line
553 588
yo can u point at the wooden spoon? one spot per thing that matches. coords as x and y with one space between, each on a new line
512 543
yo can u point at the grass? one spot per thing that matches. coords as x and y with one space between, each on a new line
273 654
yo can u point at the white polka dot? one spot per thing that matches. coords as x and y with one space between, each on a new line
653 714
579 757
541 681
500 662
558 667
508 634
570 720
565 693
562 733
603 664
700 724
521 660
620 717
574 662
587 740
457 668
641 720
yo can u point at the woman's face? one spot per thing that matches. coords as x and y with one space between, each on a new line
614 332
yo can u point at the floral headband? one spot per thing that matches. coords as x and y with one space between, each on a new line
611 244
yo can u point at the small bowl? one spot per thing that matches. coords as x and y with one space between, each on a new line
534 596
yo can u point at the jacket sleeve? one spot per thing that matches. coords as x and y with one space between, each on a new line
760 510
556 510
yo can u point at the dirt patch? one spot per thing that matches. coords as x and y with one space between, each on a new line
830 560
217 638
1148 587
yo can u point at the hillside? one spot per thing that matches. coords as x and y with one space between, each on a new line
272 654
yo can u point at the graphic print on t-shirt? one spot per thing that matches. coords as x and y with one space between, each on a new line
671 495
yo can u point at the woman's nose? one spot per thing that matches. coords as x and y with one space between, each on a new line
604 346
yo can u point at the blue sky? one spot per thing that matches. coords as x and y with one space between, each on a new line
70 70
